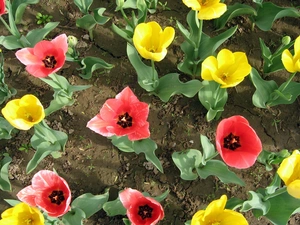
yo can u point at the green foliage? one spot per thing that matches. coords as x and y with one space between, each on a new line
18 8
6 130
213 98
90 64
83 5
4 180
43 19
270 158
192 163
146 146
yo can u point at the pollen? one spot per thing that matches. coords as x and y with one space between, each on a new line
125 120
49 62
57 197
145 211
232 142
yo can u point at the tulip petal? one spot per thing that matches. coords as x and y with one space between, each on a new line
224 59
27 57
294 188
100 126
37 70
212 11
130 197
61 42
287 61
297 46
194 4
289 169
168 36
209 67
27 195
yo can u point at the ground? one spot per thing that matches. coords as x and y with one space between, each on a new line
92 164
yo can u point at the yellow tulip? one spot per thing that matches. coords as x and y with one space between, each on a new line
292 62
24 113
22 214
207 9
289 172
228 69
151 41
215 213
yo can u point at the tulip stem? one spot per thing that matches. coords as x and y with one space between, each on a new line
126 18
43 129
288 82
198 41
6 25
276 193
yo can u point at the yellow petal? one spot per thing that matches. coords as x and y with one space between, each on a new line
167 37
225 58
212 11
215 208
194 4
209 67
287 61
289 168
294 188
230 217
197 218
297 46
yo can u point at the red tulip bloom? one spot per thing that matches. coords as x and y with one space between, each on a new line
46 57
237 142
49 192
2 7
141 210
123 115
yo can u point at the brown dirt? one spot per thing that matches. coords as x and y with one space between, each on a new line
91 163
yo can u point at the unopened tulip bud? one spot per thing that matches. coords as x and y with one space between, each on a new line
72 41
286 40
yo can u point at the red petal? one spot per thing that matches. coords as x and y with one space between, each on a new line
140 133
130 197
27 195
42 48
37 70
127 96
111 109
61 42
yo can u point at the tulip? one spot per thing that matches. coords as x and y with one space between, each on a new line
151 41
49 192
141 210
207 9
237 142
46 57
292 62
124 115
2 7
24 113
22 214
228 69
289 171
215 213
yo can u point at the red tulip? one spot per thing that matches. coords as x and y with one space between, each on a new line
141 210
46 57
237 142
123 115
2 7
49 192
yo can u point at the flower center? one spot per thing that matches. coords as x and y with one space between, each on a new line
216 223
29 221
232 142
145 211
57 197
29 117
49 61
125 120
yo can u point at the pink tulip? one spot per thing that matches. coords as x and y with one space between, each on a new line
237 142
46 57
2 7
49 192
123 115
141 210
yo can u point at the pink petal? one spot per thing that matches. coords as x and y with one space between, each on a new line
130 197
61 41
44 179
98 125
27 195
111 109
127 96
26 56
140 133
38 70
42 48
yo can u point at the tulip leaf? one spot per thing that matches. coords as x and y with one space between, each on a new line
36 35
122 143
90 64
219 169
126 34
269 12
4 180
162 196
147 76
126 221
213 98
234 203
269 158
83 5
10 42
86 22
114 208
12 202
18 8
89 203
6 130
263 89
74 217
256 202
98 15
209 150
186 161
188 222
232 11
170 85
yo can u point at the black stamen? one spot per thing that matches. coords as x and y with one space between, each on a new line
232 142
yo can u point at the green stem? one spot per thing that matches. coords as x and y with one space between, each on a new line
211 157
126 18
288 82
154 78
276 193
91 34
198 41
6 25
45 130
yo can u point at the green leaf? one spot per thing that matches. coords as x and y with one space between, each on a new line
263 89
186 161
36 35
256 202
10 42
89 203
147 77
122 143
6 130
18 8
12 202
83 5
162 197
233 11
170 85
86 22
126 34
98 15
209 150
234 203
269 12
90 64
268 158
74 217
114 208
4 180
219 169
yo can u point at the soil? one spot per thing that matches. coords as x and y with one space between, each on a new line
92 164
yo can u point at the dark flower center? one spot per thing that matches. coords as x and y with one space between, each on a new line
232 142
125 120
145 211
57 197
49 61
